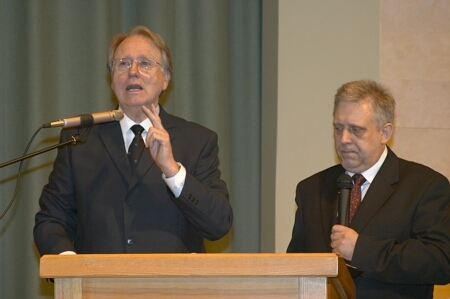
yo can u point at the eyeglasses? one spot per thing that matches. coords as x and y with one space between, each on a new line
124 64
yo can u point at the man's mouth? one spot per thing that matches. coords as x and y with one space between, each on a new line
347 151
134 87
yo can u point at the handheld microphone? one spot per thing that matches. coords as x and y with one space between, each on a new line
345 184
86 120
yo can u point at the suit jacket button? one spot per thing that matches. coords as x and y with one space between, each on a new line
130 241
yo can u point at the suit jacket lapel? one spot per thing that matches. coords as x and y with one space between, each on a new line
329 201
111 135
329 208
379 192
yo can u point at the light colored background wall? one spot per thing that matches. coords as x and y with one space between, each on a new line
415 64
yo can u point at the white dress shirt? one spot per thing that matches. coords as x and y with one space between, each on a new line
370 173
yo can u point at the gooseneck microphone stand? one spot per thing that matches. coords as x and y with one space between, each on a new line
75 139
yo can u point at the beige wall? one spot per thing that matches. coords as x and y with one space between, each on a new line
415 64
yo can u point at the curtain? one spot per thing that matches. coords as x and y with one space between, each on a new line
53 64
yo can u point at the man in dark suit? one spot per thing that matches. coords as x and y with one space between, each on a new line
169 199
399 237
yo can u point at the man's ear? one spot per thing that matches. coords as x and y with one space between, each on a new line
166 80
386 132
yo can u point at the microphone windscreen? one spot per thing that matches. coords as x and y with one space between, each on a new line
344 181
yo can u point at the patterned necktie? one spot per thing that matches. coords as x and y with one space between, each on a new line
355 195
136 146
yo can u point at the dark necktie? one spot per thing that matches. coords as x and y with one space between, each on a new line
355 195
136 146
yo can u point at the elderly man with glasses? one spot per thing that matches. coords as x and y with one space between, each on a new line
149 183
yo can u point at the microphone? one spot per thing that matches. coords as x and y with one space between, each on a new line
86 120
345 184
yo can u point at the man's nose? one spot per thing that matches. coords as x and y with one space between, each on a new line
134 67
345 136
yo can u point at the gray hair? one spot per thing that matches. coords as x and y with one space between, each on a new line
382 101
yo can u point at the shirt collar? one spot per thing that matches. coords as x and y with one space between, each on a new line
370 173
126 123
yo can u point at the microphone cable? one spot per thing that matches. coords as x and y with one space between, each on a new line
81 137
16 190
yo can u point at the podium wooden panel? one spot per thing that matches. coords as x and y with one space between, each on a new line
206 275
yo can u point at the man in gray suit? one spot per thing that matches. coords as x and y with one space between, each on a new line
399 236
167 199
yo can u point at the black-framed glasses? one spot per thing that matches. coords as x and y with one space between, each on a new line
124 64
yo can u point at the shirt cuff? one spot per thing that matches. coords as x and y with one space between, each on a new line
176 182
67 253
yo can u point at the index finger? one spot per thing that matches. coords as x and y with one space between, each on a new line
152 114
337 228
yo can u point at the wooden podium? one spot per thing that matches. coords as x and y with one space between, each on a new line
206 275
